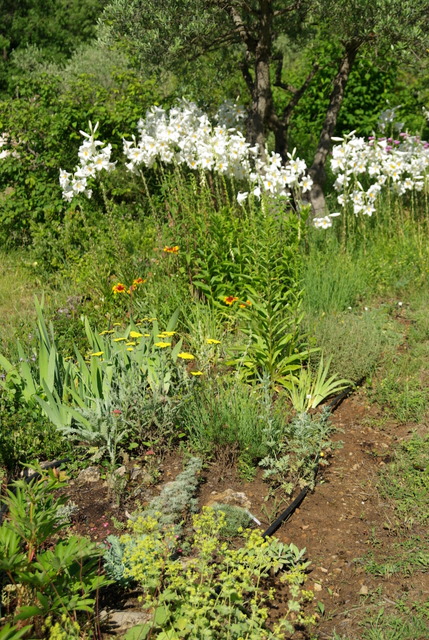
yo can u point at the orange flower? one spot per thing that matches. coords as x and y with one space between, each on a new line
138 281
230 300
119 288
174 249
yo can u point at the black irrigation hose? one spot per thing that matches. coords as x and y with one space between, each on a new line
29 478
334 404
286 514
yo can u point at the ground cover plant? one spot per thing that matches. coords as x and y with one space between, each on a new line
176 307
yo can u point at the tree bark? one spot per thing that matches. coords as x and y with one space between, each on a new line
317 169
262 101
280 124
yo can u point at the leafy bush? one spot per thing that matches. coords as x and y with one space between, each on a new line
356 344
204 593
227 414
39 581
33 210
26 435
294 454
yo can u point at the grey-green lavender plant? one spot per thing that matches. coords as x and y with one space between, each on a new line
169 508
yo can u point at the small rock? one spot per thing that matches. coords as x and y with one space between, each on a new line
141 476
363 591
121 471
90 474
124 620
237 498
317 586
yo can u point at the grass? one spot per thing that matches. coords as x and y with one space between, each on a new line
18 286
406 557
356 342
406 481
385 626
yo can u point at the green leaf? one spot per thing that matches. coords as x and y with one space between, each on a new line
138 632
162 614
29 611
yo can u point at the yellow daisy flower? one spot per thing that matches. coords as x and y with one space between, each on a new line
162 345
135 334
197 373
186 356
212 341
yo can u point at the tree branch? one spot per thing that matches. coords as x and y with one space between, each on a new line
241 28
297 93
245 71
292 7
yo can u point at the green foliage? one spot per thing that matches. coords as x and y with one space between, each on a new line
294 453
176 498
125 384
370 87
394 626
236 519
406 480
9 632
308 388
168 511
32 207
333 280
25 435
189 599
227 413
275 345
54 28
40 581
355 343
403 398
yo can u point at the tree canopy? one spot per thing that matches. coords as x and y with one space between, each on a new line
256 32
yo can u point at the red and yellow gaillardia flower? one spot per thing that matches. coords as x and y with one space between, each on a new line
229 300
119 288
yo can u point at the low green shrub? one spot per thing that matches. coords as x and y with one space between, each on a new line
293 454
218 590
26 434
40 581
230 416
355 343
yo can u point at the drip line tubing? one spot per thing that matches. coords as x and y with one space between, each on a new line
285 515
288 512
